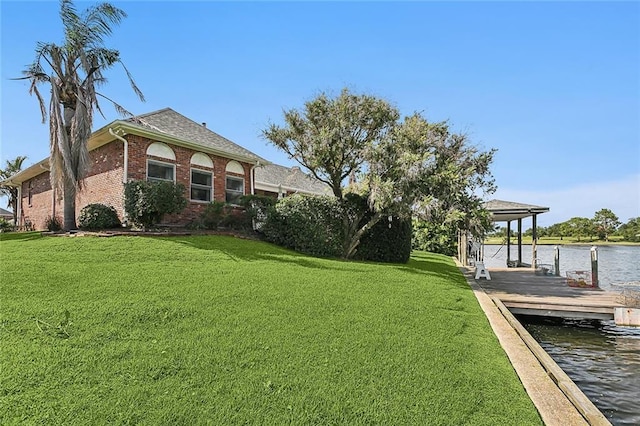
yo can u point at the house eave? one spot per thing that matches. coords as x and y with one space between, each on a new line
126 128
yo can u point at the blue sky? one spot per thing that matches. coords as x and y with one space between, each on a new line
553 86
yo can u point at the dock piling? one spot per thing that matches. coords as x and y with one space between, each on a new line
594 266
556 260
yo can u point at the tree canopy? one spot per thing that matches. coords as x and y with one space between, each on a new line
403 167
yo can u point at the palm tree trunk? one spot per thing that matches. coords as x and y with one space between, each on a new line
69 200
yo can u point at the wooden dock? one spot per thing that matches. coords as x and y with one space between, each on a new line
524 292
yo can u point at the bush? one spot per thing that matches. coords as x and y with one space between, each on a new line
434 237
5 226
387 241
309 224
213 215
146 203
98 216
53 223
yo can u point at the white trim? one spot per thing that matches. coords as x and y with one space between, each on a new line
164 164
161 150
234 167
200 186
201 159
238 178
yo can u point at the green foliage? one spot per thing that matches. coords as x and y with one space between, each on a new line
213 214
316 225
11 192
218 214
5 226
387 241
219 330
630 231
98 216
308 224
147 202
434 237
53 223
404 166
606 223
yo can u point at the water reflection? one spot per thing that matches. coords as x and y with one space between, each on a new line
602 359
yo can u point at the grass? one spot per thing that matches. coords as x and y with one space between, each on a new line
218 330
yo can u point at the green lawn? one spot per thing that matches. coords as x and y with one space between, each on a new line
218 330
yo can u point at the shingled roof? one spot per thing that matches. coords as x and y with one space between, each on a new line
508 210
174 124
273 177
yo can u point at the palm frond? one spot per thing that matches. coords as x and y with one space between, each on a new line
133 83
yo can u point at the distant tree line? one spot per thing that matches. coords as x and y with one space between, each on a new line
602 226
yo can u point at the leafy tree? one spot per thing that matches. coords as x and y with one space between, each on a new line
73 71
631 230
10 191
606 223
580 227
331 137
405 167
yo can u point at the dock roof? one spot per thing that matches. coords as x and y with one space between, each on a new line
505 211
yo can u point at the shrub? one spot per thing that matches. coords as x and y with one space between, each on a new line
147 202
53 223
98 216
5 226
213 215
387 241
434 237
309 224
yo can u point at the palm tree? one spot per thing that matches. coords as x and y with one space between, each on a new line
73 71
11 192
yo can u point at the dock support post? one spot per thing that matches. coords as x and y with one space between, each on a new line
520 242
594 266
556 260
508 242
534 243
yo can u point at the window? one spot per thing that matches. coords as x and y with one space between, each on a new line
201 185
234 190
29 192
157 171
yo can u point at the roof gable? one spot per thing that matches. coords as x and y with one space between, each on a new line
171 123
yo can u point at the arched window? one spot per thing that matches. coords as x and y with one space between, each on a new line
201 180
160 170
234 185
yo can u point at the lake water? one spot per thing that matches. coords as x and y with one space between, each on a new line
602 359
616 264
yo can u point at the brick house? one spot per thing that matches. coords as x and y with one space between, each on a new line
161 145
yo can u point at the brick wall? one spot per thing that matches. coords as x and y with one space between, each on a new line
138 171
104 182
102 185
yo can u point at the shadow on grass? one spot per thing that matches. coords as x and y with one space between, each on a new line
440 266
20 236
239 249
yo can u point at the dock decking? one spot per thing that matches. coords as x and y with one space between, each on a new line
523 292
